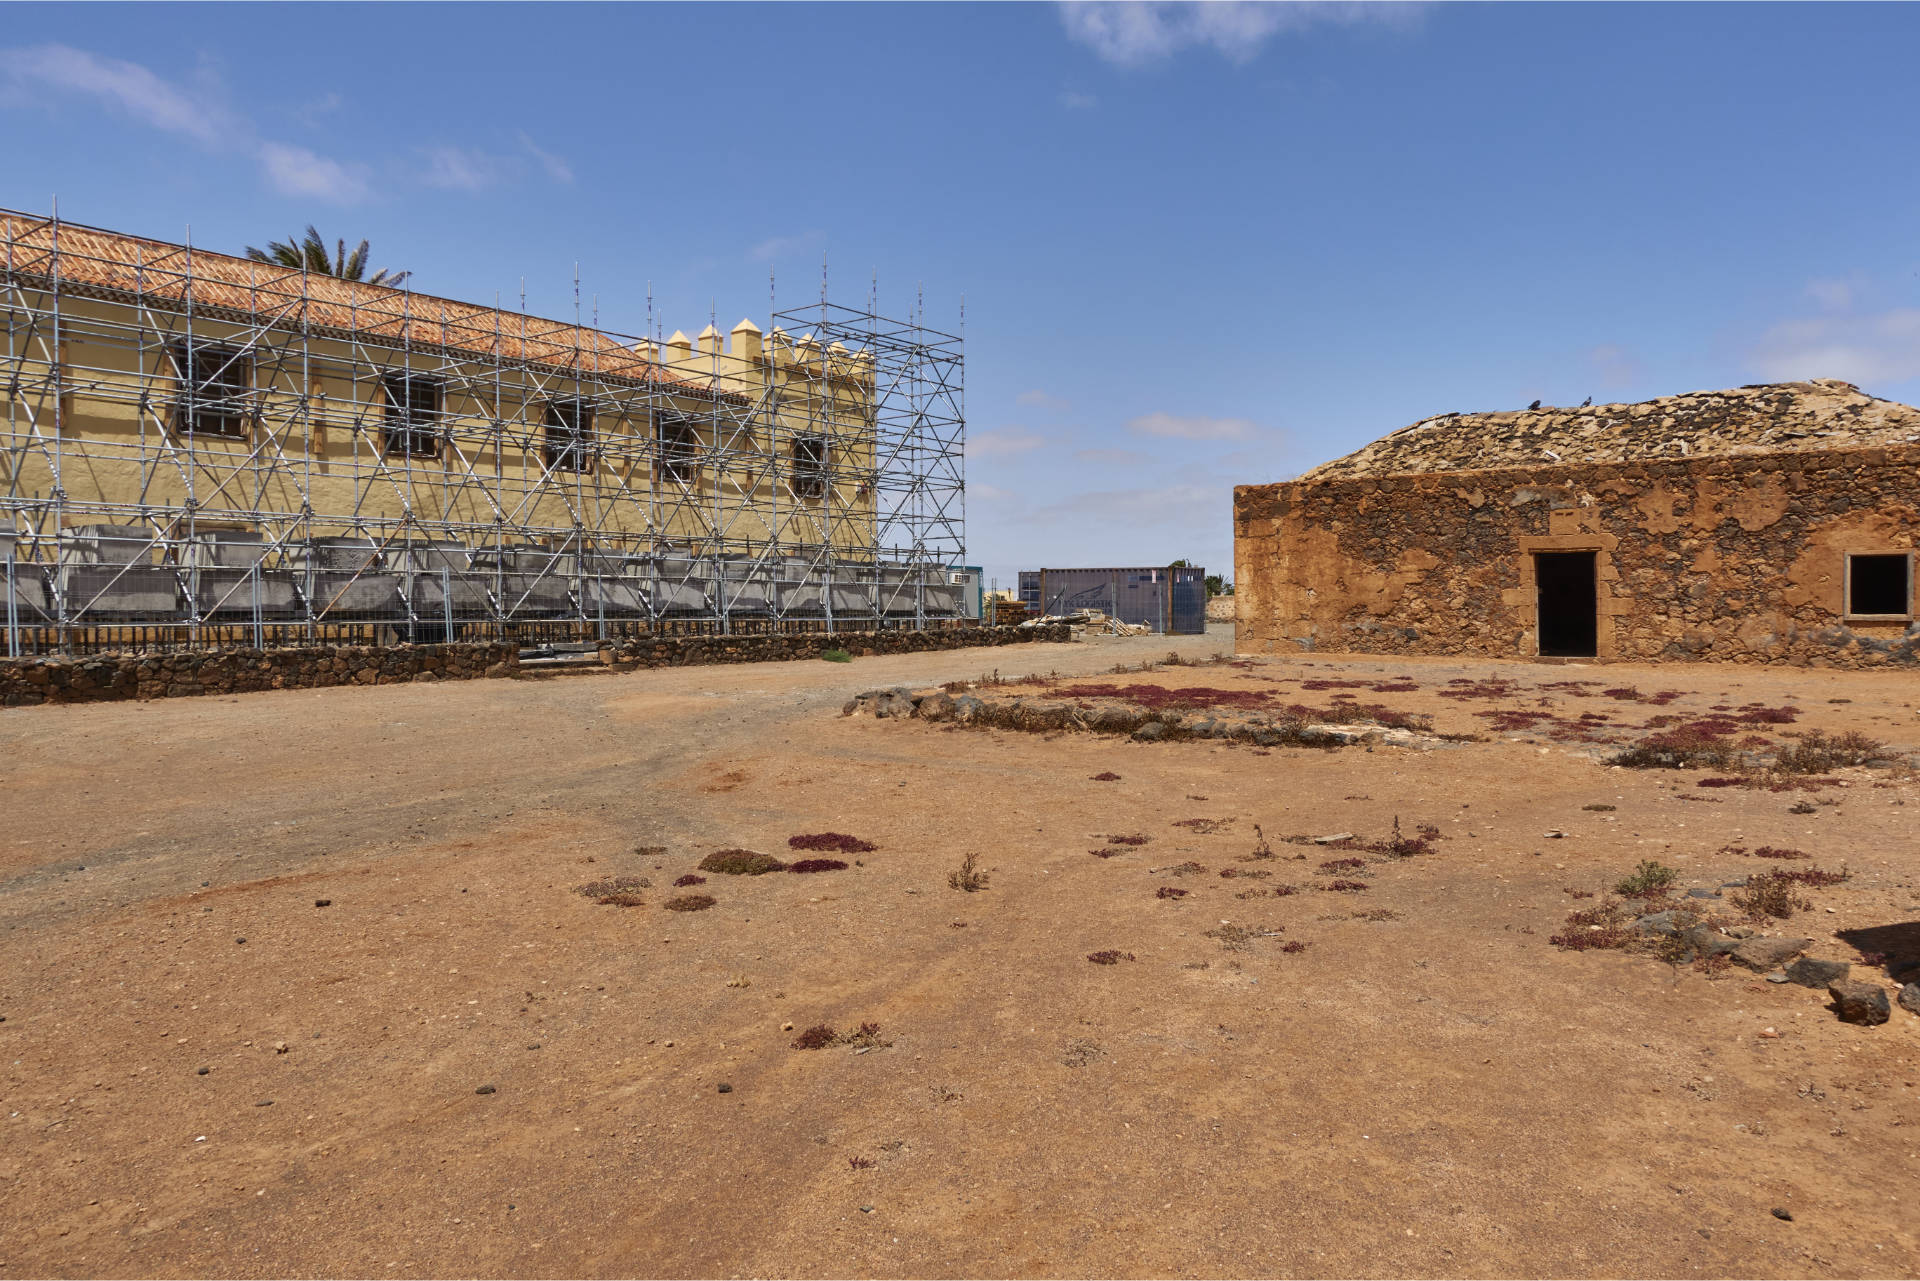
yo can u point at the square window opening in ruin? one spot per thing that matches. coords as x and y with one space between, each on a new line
216 383
569 436
1880 585
678 439
1568 601
809 478
412 415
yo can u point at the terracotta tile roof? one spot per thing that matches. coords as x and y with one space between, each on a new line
107 263
1768 418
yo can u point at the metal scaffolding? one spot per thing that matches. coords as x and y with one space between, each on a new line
199 449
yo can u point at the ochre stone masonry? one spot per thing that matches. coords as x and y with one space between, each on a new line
28 681
1734 550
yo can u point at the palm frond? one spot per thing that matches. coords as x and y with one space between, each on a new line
309 253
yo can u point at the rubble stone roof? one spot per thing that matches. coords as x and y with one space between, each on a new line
1763 419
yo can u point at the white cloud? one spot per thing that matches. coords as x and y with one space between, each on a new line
1129 34
127 86
777 247
1075 101
1879 348
1173 427
1041 400
460 169
556 166
1112 457
988 493
295 171
1009 440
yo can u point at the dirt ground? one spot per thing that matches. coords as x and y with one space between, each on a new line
204 1073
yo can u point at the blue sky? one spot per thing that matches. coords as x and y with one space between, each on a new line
1198 246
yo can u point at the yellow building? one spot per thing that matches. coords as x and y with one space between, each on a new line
300 450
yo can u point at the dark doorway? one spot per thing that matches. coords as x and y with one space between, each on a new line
1569 604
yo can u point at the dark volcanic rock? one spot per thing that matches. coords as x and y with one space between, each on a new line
1863 1003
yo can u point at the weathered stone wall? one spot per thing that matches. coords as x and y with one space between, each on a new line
1726 559
679 651
28 681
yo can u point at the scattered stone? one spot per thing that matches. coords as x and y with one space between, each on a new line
1909 998
1768 953
1151 732
1664 923
279 1047
323 902
866 1209
201 1071
724 1088
1776 976
1782 1214
264 1103
240 940
1554 834
1703 894
534 1046
1333 839
1862 1003
1707 943
485 1089
1808 972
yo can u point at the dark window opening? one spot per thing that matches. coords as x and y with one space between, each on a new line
1880 585
679 440
413 416
1569 603
810 466
215 389
569 440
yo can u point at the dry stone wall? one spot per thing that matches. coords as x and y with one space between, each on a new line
1723 559
29 681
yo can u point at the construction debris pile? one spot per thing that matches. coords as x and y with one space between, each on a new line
1091 622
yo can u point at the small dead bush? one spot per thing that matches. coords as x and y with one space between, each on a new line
689 879
806 865
1600 926
1817 753
740 863
1813 877
1109 957
817 1037
1692 745
1128 840
1293 948
1600 808
1239 938
690 903
1769 895
1343 865
1169 891
968 875
1106 776
621 898
1346 887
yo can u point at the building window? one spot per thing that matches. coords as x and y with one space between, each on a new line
569 442
215 387
679 441
809 478
413 415
1880 586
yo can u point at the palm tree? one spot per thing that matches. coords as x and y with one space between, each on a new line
310 254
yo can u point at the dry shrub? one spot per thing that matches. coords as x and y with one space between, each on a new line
1345 887
603 890
740 863
689 879
817 1037
1769 895
1817 752
621 898
1169 891
1109 957
1692 745
1600 926
817 865
690 903
1128 840
968 875
1343 865
837 842
1649 880
1106 776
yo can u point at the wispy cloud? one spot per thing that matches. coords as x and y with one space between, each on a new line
1174 427
775 248
1184 506
1129 34
125 86
295 171
1008 440
459 168
556 167
1073 100
1038 399
1832 294
1881 347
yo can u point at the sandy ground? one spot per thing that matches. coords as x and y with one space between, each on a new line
1439 1093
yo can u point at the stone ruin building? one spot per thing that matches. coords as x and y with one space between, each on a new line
1766 524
